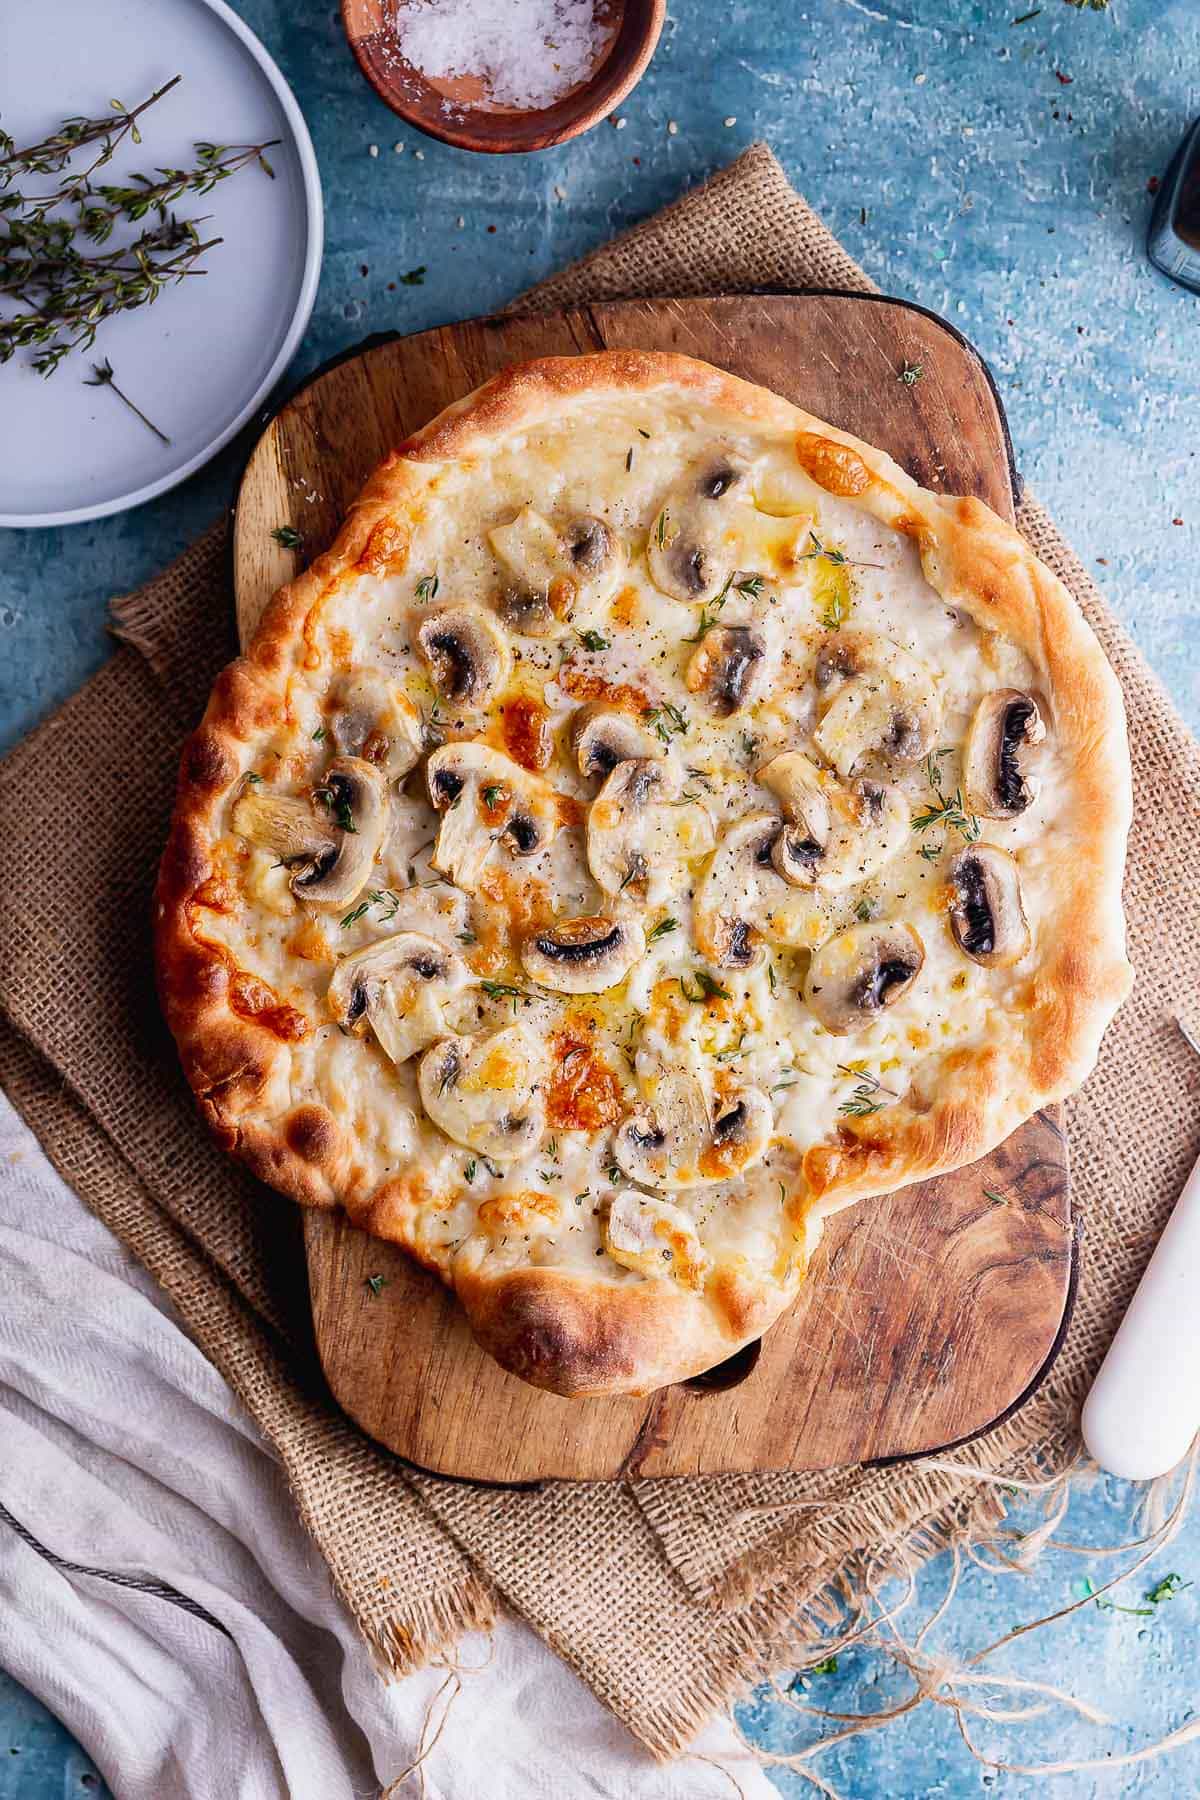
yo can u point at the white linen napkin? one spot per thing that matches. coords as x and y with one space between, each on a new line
159 1595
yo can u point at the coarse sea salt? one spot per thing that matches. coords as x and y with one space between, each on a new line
526 53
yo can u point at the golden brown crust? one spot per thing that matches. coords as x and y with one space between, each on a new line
558 1329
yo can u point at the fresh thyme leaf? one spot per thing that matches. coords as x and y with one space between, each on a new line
288 536
629 459
750 585
467 937
492 794
778 1086
339 805
828 1667
414 278
470 1171
1166 1589
1024 18
375 1284
838 558
613 1173
1087 1591
865 910
504 990
771 978
253 777
427 587
667 720
996 1198
864 1100
706 988
352 918
661 930
931 851
318 734
732 1054
592 640
933 766
950 812
910 374
660 529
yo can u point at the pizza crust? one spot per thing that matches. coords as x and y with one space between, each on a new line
570 1329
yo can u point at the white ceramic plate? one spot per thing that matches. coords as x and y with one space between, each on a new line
211 348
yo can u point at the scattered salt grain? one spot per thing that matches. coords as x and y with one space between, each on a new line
672 128
731 120
560 193
399 149
527 53
372 149
620 124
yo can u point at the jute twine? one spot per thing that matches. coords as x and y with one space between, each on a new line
668 1598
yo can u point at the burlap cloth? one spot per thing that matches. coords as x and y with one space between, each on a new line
665 1596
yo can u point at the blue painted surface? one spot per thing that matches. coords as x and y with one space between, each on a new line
937 140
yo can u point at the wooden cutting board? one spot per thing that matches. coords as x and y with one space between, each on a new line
927 1314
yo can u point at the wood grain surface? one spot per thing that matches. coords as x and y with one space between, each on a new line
927 1314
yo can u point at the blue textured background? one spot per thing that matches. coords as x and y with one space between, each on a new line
936 139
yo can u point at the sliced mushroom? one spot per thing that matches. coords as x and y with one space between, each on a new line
854 975
727 667
484 797
880 701
584 956
485 1092
372 717
399 988
555 570
986 914
678 1141
739 886
1006 724
637 829
467 653
835 836
331 851
601 738
653 1237
689 554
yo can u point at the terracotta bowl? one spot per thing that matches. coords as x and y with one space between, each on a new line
458 111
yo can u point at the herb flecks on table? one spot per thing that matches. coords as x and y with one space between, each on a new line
63 291
102 376
288 536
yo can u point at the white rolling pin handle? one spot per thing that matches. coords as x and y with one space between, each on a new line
1144 1407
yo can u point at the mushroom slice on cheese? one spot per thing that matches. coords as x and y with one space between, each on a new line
584 956
638 830
653 1237
692 549
677 1140
399 988
727 668
486 1092
987 916
330 844
834 835
485 798
738 889
1006 725
555 570
467 653
878 701
601 738
858 973
373 717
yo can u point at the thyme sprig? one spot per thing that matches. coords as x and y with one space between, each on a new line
102 376
837 557
865 1099
64 292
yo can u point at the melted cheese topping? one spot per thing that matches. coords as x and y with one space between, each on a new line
801 571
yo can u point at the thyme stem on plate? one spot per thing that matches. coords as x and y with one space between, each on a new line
64 292
102 376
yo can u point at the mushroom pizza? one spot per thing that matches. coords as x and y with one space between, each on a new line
655 823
